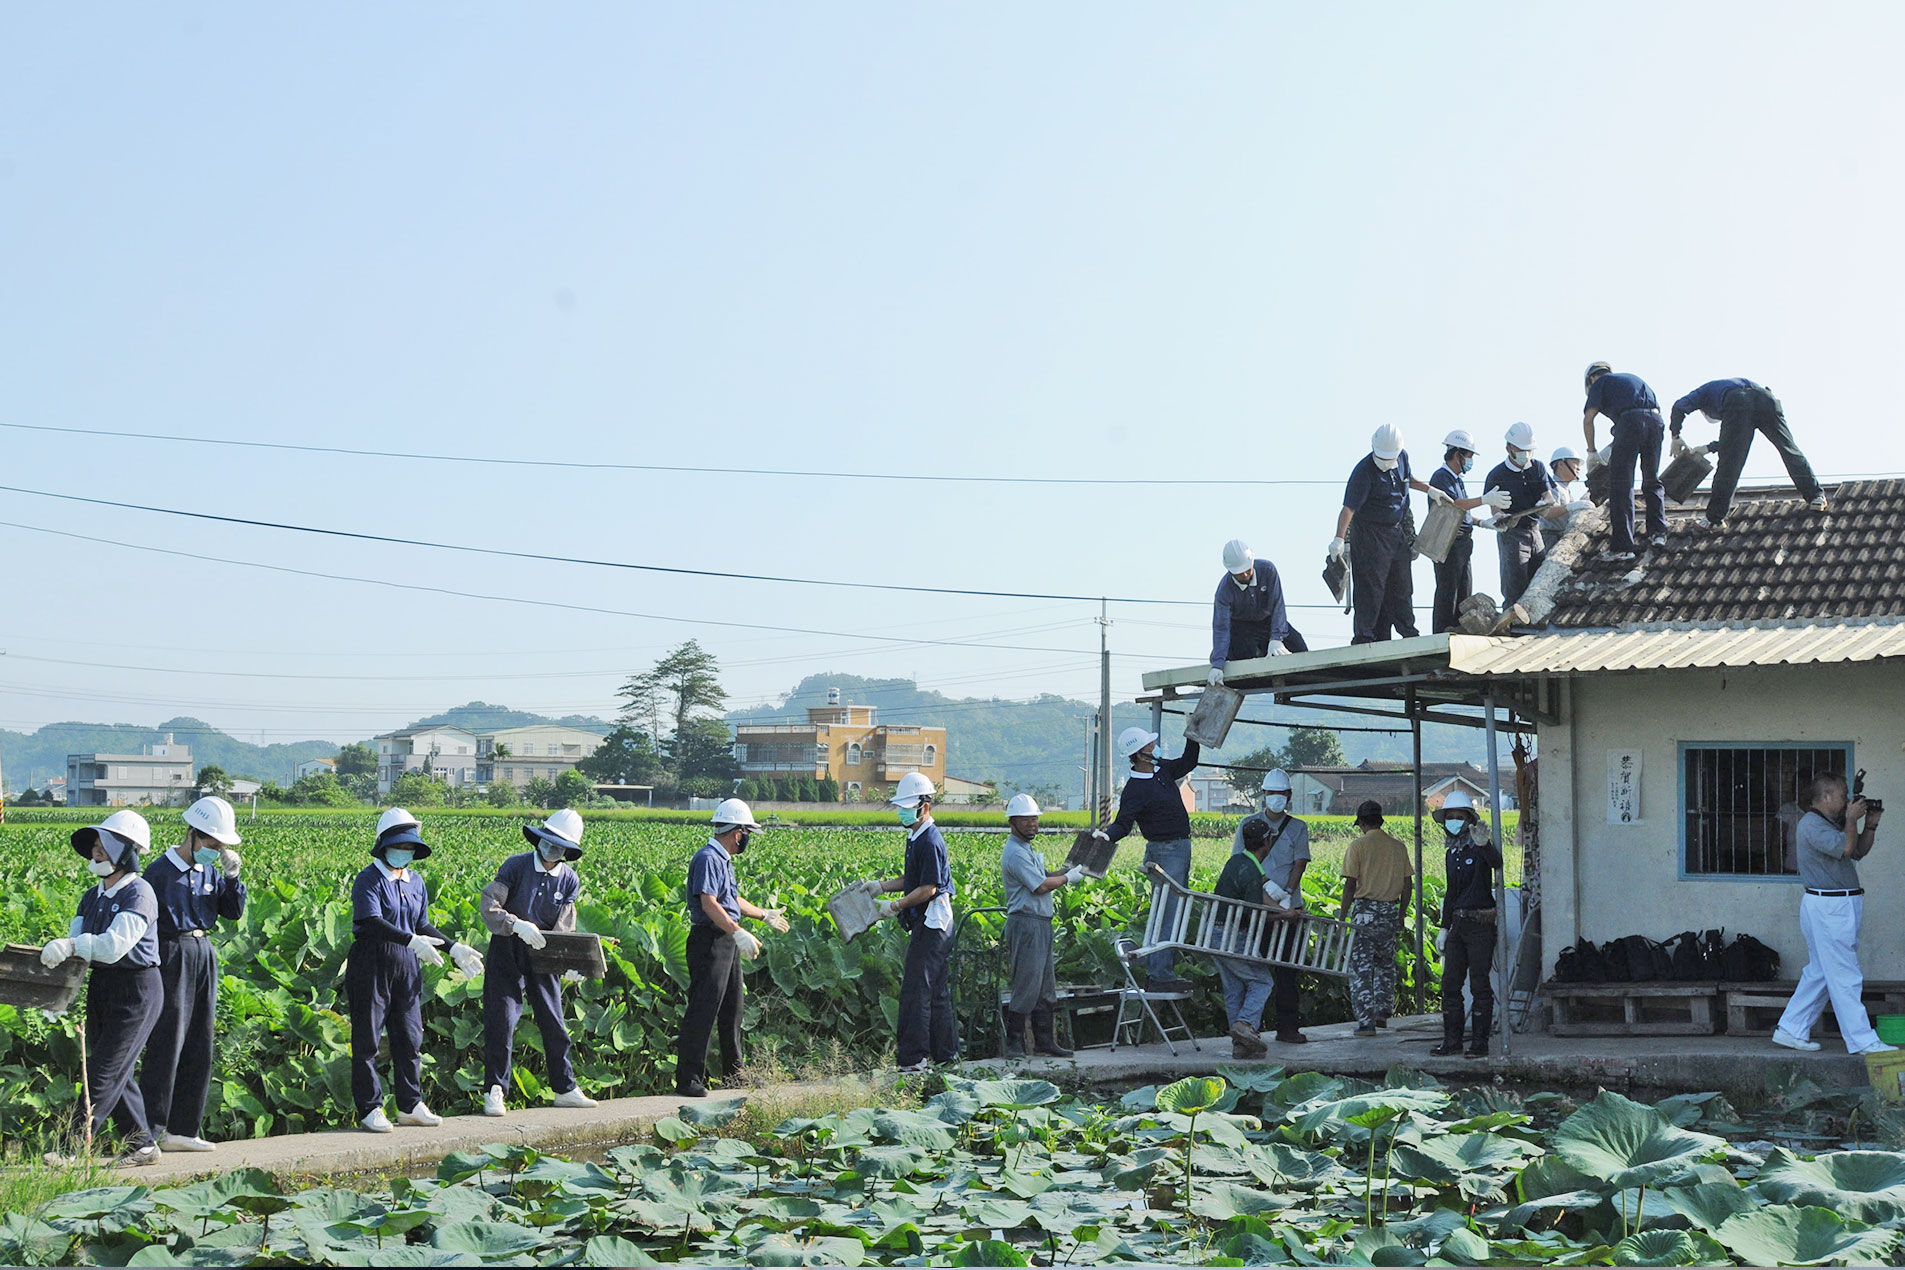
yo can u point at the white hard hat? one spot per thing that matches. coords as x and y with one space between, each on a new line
1459 440
732 812
1563 454
1238 557
1276 779
1521 436
1131 740
1457 800
562 828
398 828
213 817
1387 443
1021 805
127 835
913 787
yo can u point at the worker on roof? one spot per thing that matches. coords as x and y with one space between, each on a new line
1742 408
1638 433
1032 977
1454 576
1376 499
1468 920
717 945
929 1033
1248 619
1285 855
1150 800
1530 492
1565 466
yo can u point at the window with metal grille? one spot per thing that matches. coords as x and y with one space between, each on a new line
1741 804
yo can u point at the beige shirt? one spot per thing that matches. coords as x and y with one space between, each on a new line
1380 865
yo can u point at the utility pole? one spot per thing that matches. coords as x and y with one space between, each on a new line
1104 714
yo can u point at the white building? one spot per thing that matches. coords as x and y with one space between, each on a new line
538 750
157 776
447 753
317 767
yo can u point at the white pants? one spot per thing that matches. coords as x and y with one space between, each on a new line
1830 924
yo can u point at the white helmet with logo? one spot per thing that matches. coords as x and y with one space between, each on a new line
214 818
913 787
1021 805
1276 780
1459 440
1133 739
1238 557
1521 436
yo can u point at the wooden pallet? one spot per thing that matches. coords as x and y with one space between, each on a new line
1753 1009
1633 1009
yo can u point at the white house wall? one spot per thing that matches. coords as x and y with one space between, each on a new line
1602 881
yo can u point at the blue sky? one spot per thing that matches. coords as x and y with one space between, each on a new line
1089 240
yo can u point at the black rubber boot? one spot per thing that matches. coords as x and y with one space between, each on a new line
1045 1035
1015 1025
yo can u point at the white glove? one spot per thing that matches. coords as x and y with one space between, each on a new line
1074 874
1499 499
1441 941
1580 505
749 947
467 959
1101 835
776 918
1275 894
1216 679
870 888
426 949
885 908
56 951
572 976
1437 496
529 933
1336 549
228 861
1678 447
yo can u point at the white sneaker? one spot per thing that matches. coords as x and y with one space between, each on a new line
493 1102
1877 1047
1818 504
175 1142
59 1160
574 1098
138 1156
375 1122
420 1115
1782 1037
920 1068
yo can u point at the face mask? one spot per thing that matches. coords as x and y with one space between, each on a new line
550 851
102 868
1453 827
1468 461
206 856
398 857
909 816
1387 465
1518 459
1275 803
740 843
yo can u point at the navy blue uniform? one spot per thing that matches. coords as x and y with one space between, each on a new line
1520 548
1152 802
1468 913
1382 585
716 997
1639 430
123 1000
175 1075
1454 573
1246 620
926 1024
385 984
1743 408
546 900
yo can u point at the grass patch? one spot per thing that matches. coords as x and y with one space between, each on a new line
27 1181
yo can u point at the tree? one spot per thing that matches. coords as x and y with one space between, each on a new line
213 783
415 789
1248 783
540 792
827 790
704 750
356 759
682 686
360 785
573 789
627 756
748 790
1313 747
502 794
318 790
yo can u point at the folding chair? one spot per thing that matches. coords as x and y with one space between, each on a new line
1135 1004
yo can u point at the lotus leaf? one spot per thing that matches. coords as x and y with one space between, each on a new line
613 1250
1709 1203
712 1115
1669 1248
1624 1143
1191 1095
1221 1201
915 1129
786 1250
1133 1172
954 1106
890 1161
1325 1115
1783 1235
1867 1186
987 1252
488 1240
1015 1095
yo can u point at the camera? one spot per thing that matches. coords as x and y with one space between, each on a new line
1858 792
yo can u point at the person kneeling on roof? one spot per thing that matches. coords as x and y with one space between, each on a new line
1248 618
1150 800
1468 917
1029 951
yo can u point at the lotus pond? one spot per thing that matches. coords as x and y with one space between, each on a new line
1247 1167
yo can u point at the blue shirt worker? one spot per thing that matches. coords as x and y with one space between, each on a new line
1532 494
1248 618
1029 948
195 885
534 891
1833 834
1638 433
1150 801
1468 918
1742 408
1454 573
928 1031
1376 499
117 933
717 945
392 939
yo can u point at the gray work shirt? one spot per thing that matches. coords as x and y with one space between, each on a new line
1025 873
1823 865
1294 845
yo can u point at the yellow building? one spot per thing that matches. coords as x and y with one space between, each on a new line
866 757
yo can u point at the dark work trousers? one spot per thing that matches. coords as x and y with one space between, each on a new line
927 1027
176 1073
714 997
1520 552
1284 997
1380 577
1250 639
1743 412
385 986
1454 581
121 1008
1470 952
1637 438
507 979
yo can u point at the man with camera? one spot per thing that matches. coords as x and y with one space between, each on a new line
1834 833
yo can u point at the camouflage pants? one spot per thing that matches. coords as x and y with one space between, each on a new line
1372 962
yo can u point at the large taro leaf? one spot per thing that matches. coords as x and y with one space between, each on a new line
1332 1115
196 1255
890 1161
1379 1247
392 1254
791 1250
1782 1235
1623 1143
987 1252
613 1250
487 1240
1014 1095
954 1106
1867 1186
1669 1248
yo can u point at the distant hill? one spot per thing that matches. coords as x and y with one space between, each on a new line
480 716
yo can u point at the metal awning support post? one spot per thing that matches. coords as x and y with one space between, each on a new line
1501 875
1415 731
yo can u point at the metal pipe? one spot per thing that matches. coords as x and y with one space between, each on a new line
1415 731
1104 710
1501 875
